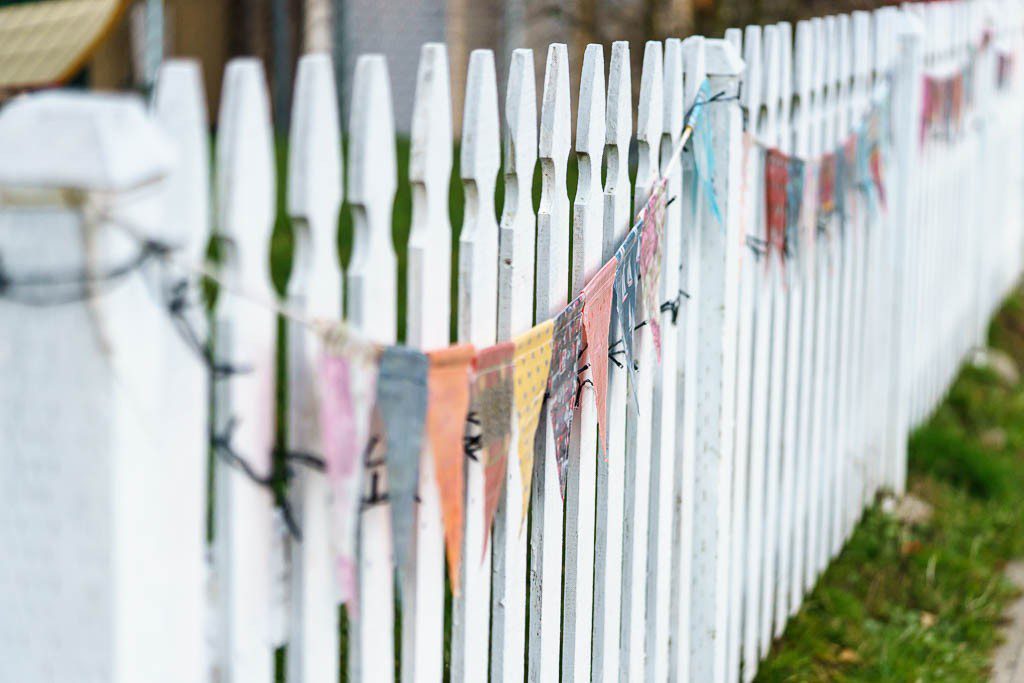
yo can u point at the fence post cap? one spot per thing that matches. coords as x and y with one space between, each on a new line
721 58
84 141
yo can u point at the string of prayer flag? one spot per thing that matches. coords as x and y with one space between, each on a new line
597 311
349 374
566 341
492 407
402 405
531 362
447 407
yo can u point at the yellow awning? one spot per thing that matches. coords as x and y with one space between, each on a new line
47 42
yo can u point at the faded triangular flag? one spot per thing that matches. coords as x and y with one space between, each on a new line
447 407
532 362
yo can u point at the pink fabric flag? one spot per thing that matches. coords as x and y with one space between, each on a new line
651 247
349 375
597 313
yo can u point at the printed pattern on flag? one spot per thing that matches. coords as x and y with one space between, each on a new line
447 408
652 238
566 342
492 410
532 362
402 406
794 204
597 311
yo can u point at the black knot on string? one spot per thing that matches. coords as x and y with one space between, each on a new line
580 384
758 246
178 302
673 305
472 444
613 352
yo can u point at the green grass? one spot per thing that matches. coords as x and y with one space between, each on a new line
923 603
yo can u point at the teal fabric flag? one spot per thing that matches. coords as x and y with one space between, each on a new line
402 405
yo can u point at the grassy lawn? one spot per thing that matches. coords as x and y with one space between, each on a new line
923 602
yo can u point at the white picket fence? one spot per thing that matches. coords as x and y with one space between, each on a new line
781 406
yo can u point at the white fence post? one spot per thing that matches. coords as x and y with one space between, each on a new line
246 337
720 245
94 548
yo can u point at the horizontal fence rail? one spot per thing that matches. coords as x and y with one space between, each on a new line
844 218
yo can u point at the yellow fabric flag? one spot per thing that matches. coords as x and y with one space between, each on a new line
532 362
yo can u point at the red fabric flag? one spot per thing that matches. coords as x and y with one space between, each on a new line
447 407
776 177
597 311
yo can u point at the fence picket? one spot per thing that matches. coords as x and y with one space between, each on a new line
314 290
515 316
180 106
638 421
371 298
608 545
244 403
428 314
691 218
587 247
478 282
719 262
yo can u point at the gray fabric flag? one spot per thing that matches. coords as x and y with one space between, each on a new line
402 405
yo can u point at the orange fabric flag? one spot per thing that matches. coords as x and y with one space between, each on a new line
597 312
447 407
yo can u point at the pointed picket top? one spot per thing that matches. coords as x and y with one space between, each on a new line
785 85
180 106
245 172
648 123
770 76
430 169
588 214
553 215
672 92
803 67
842 72
372 178
884 31
618 131
734 37
481 159
517 217
861 54
803 87
315 185
824 97
752 78
695 66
